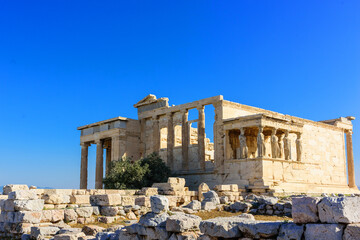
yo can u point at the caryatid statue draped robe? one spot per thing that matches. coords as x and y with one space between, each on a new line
243 146
261 143
275 150
287 146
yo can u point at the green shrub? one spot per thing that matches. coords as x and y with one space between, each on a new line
127 174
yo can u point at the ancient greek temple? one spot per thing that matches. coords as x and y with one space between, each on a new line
260 150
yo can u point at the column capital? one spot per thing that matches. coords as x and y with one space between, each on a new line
200 108
85 144
169 114
350 132
184 111
98 141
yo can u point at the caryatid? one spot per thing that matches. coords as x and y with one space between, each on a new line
275 151
261 142
298 147
287 146
243 146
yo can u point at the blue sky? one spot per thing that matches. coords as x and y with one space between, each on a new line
64 64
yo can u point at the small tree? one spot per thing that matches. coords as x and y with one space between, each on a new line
126 174
158 171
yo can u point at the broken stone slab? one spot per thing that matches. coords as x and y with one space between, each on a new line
56 198
194 205
203 187
92 230
27 217
339 210
85 212
267 200
29 205
290 231
152 219
324 231
70 215
109 211
305 210
240 206
224 227
70 236
22 195
352 232
182 223
13 187
106 199
41 232
259 229
211 196
80 199
159 203
53 216
69 230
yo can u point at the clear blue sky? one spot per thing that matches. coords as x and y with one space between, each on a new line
64 64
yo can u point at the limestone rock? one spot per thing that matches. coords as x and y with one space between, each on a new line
324 231
159 203
56 198
305 210
106 199
208 206
70 236
108 211
352 232
84 211
52 215
339 210
240 206
224 199
152 219
203 187
27 217
70 215
131 215
13 187
29 205
39 232
267 200
290 231
92 230
211 196
256 229
80 199
224 227
22 195
182 223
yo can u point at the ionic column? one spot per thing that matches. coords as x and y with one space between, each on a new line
298 147
84 165
99 165
156 134
243 145
219 141
201 137
170 141
108 159
350 159
185 139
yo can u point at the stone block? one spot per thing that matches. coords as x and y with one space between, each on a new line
70 236
106 199
152 219
41 232
159 203
222 227
182 223
194 205
257 229
27 217
109 211
53 216
56 198
324 231
84 212
290 231
352 232
80 199
92 230
339 210
13 187
143 201
127 200
149 191
305 210
22 195
222 188
29 205
70 215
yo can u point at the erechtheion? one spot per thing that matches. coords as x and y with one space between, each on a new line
259 150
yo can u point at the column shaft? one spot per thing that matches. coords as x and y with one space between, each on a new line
350 159
156 134
108 159
185 140
99 165
201 137
84 166
170 141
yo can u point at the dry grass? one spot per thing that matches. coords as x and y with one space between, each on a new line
214 214
100 224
